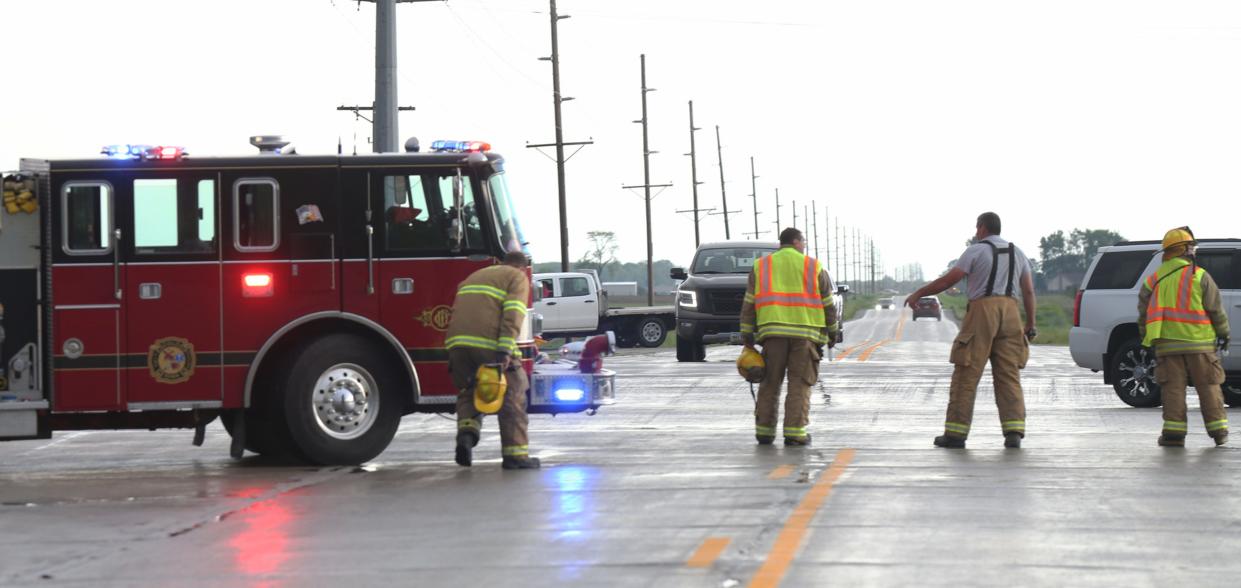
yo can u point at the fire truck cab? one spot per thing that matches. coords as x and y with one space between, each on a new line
302 299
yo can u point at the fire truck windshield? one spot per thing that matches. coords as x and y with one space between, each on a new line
506 215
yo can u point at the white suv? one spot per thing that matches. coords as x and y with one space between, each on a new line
1104 336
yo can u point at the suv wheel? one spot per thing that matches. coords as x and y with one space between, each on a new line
1133 375
690 350
1232 393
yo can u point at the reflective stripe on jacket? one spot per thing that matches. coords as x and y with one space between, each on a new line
1175 311
489 310
789 295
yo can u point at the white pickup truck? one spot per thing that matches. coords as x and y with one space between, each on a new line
573 304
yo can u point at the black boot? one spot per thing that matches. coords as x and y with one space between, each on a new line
765 439
1220 438
1012 440
1169 440
513 462
466 440
797 441
950 442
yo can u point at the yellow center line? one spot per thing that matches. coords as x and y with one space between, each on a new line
708 552
846 352
781 472
900 330
794 531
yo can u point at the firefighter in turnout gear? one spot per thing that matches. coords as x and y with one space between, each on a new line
487 317
991 331
788 309
1181 314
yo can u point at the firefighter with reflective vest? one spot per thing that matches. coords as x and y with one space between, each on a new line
787 309
991 331
1181 315
483 359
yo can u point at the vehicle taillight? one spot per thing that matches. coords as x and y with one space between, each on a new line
257 286
1077 309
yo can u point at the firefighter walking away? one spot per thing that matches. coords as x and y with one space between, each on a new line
788 310
1181 314
483 359
991 331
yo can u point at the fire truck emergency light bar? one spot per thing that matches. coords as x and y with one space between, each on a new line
144 152
460 146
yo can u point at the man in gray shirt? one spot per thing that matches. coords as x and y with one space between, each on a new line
991 331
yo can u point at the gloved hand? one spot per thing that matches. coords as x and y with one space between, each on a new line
747 339
1031 334
1221 344
502 358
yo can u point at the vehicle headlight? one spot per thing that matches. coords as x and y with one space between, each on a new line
687 299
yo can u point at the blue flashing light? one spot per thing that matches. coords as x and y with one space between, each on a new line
127 151
569 394
443 146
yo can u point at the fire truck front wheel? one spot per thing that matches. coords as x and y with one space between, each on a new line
341 400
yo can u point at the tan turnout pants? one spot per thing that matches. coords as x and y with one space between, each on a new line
800 360
1173 373
991 331
462 364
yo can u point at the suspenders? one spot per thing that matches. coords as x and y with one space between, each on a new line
995 262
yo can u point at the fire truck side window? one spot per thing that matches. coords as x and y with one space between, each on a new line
418 213
86 218
256 225
174 216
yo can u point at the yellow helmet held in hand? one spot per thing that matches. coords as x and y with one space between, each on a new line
1178 236
751 366
489 386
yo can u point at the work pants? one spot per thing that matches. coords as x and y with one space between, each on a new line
799 358
1173 373
462 364
991 331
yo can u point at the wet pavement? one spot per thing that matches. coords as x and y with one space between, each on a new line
666 488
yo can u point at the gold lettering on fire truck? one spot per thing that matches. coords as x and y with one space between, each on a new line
436 317
171 360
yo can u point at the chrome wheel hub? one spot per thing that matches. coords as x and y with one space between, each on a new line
345 400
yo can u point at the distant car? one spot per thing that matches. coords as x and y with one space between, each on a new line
886 303
927 307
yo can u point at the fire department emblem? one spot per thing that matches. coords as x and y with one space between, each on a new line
171 360
436 317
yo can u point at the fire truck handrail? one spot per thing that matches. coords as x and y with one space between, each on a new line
374 326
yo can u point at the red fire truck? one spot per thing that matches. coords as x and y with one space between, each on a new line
302 299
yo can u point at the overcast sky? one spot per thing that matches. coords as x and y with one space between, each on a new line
906 118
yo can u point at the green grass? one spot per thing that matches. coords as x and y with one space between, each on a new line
1054 316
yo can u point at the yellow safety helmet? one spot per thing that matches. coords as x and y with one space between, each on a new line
489 386
1178 236
751 366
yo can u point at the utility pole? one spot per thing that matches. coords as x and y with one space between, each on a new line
646 188
814 224
778 207
719 153
794 208
560 143
754 197
384 133
693 174
805 216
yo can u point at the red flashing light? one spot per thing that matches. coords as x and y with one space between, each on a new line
169 152
257 286
479 146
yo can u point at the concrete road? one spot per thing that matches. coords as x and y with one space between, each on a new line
666 488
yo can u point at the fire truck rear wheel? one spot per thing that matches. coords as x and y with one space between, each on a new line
342 400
